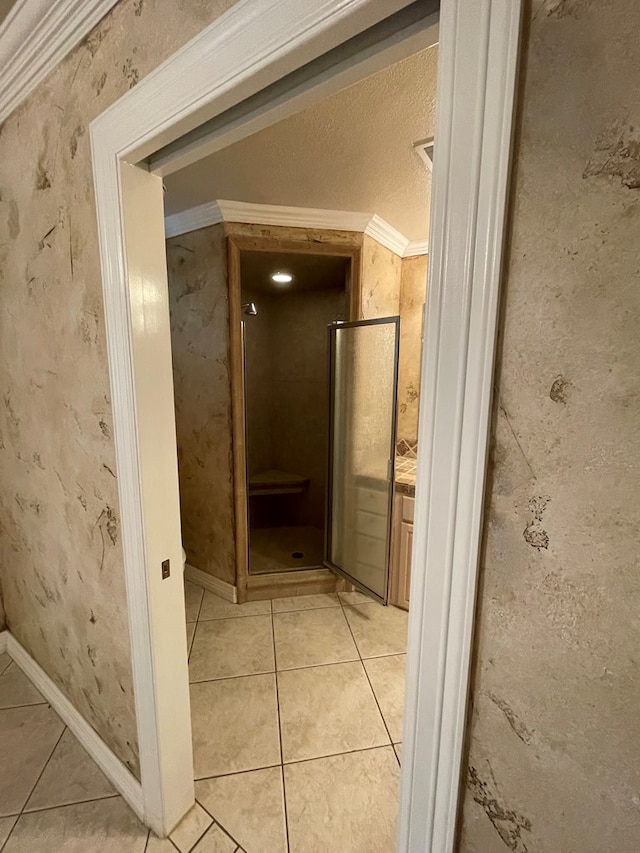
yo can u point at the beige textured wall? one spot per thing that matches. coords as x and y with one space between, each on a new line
413 292
381 270
554 753
199 305
60 549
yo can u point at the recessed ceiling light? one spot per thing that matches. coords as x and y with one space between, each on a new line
281 277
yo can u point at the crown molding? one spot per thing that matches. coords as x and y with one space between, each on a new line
215 212
386 234
192 219
35 36
293 217
415 248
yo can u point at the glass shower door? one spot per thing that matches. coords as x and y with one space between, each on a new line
362 435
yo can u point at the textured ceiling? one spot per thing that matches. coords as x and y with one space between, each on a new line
352 151
310 272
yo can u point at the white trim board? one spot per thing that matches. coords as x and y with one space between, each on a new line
220 588
3 641
35 36
477 71
243 51
214 212
120 776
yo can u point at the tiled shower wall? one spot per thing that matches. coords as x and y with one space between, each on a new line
287 373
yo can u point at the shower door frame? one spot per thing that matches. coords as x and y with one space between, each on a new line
305 580
376 321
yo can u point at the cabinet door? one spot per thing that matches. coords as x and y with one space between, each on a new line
404 565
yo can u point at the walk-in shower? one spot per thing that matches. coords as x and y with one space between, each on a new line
286 371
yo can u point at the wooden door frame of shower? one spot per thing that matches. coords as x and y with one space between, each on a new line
275 584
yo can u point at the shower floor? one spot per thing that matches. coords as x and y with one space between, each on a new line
271 548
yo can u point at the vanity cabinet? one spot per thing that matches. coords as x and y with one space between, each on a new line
402 545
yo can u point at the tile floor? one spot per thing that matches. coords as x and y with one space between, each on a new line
54 798
296 711
296 715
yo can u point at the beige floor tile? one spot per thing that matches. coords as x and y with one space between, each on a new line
226 647
343 804
312 637
192 599
216 840
191 828
234 725
6 825
191 630
305 602
105 826
159 845
398 749
5 661
378 630
355 597
387 679
214 607
27 738
71 776
328 709
16 689
250 807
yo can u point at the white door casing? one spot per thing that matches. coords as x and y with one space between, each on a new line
250 46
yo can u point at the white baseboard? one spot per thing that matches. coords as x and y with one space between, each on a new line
120 776
225 590
3 641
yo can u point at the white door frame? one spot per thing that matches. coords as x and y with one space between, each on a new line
252 45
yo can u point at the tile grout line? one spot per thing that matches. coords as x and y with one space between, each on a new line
384 722
197 621
284 788
25 705
296 761
6 841
66 805
216 823
26 802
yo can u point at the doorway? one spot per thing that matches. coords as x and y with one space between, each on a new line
288 301
469 213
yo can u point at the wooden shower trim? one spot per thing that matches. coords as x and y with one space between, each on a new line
278 584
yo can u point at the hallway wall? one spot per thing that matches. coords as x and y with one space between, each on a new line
554 739
61 561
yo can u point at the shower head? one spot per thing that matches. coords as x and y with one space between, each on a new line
249 308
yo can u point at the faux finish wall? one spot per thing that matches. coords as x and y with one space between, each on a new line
413 292
60 550
554 742
199 305
381 270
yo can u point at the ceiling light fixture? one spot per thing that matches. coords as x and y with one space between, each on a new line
281 277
